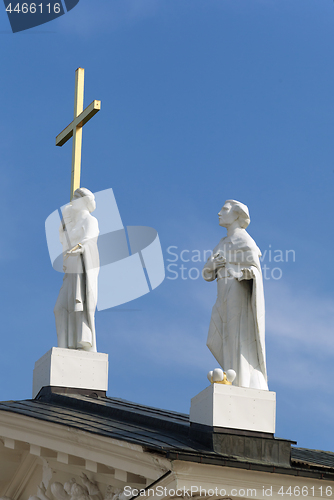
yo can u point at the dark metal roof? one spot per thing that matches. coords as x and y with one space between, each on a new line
115 418
161 431
312 457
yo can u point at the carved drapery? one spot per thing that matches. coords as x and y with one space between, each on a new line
72 490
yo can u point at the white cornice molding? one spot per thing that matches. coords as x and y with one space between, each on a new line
63 439
210 476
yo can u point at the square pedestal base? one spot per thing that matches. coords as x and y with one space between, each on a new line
232 407
72 369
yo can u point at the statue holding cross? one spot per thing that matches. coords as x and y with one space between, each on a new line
76 304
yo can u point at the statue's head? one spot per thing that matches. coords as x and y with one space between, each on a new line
83 198
234 211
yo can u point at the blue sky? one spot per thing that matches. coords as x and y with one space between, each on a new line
202 101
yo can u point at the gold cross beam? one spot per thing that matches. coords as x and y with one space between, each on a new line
81 117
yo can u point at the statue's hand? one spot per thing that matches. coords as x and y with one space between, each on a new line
216 261
77 251
247 274
208 274
218 258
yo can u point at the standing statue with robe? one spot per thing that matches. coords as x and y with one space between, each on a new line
236 335
76 304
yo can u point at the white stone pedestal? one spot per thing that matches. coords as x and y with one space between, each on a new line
71 368
232 407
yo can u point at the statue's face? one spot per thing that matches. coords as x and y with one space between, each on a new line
79 204
227 215
84 203
91 203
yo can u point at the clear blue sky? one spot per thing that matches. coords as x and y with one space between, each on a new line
201 101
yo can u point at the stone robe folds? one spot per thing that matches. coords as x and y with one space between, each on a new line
76 303
236 335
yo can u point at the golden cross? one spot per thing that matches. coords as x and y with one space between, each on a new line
74 129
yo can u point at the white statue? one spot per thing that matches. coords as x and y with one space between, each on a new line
237 330
75 307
